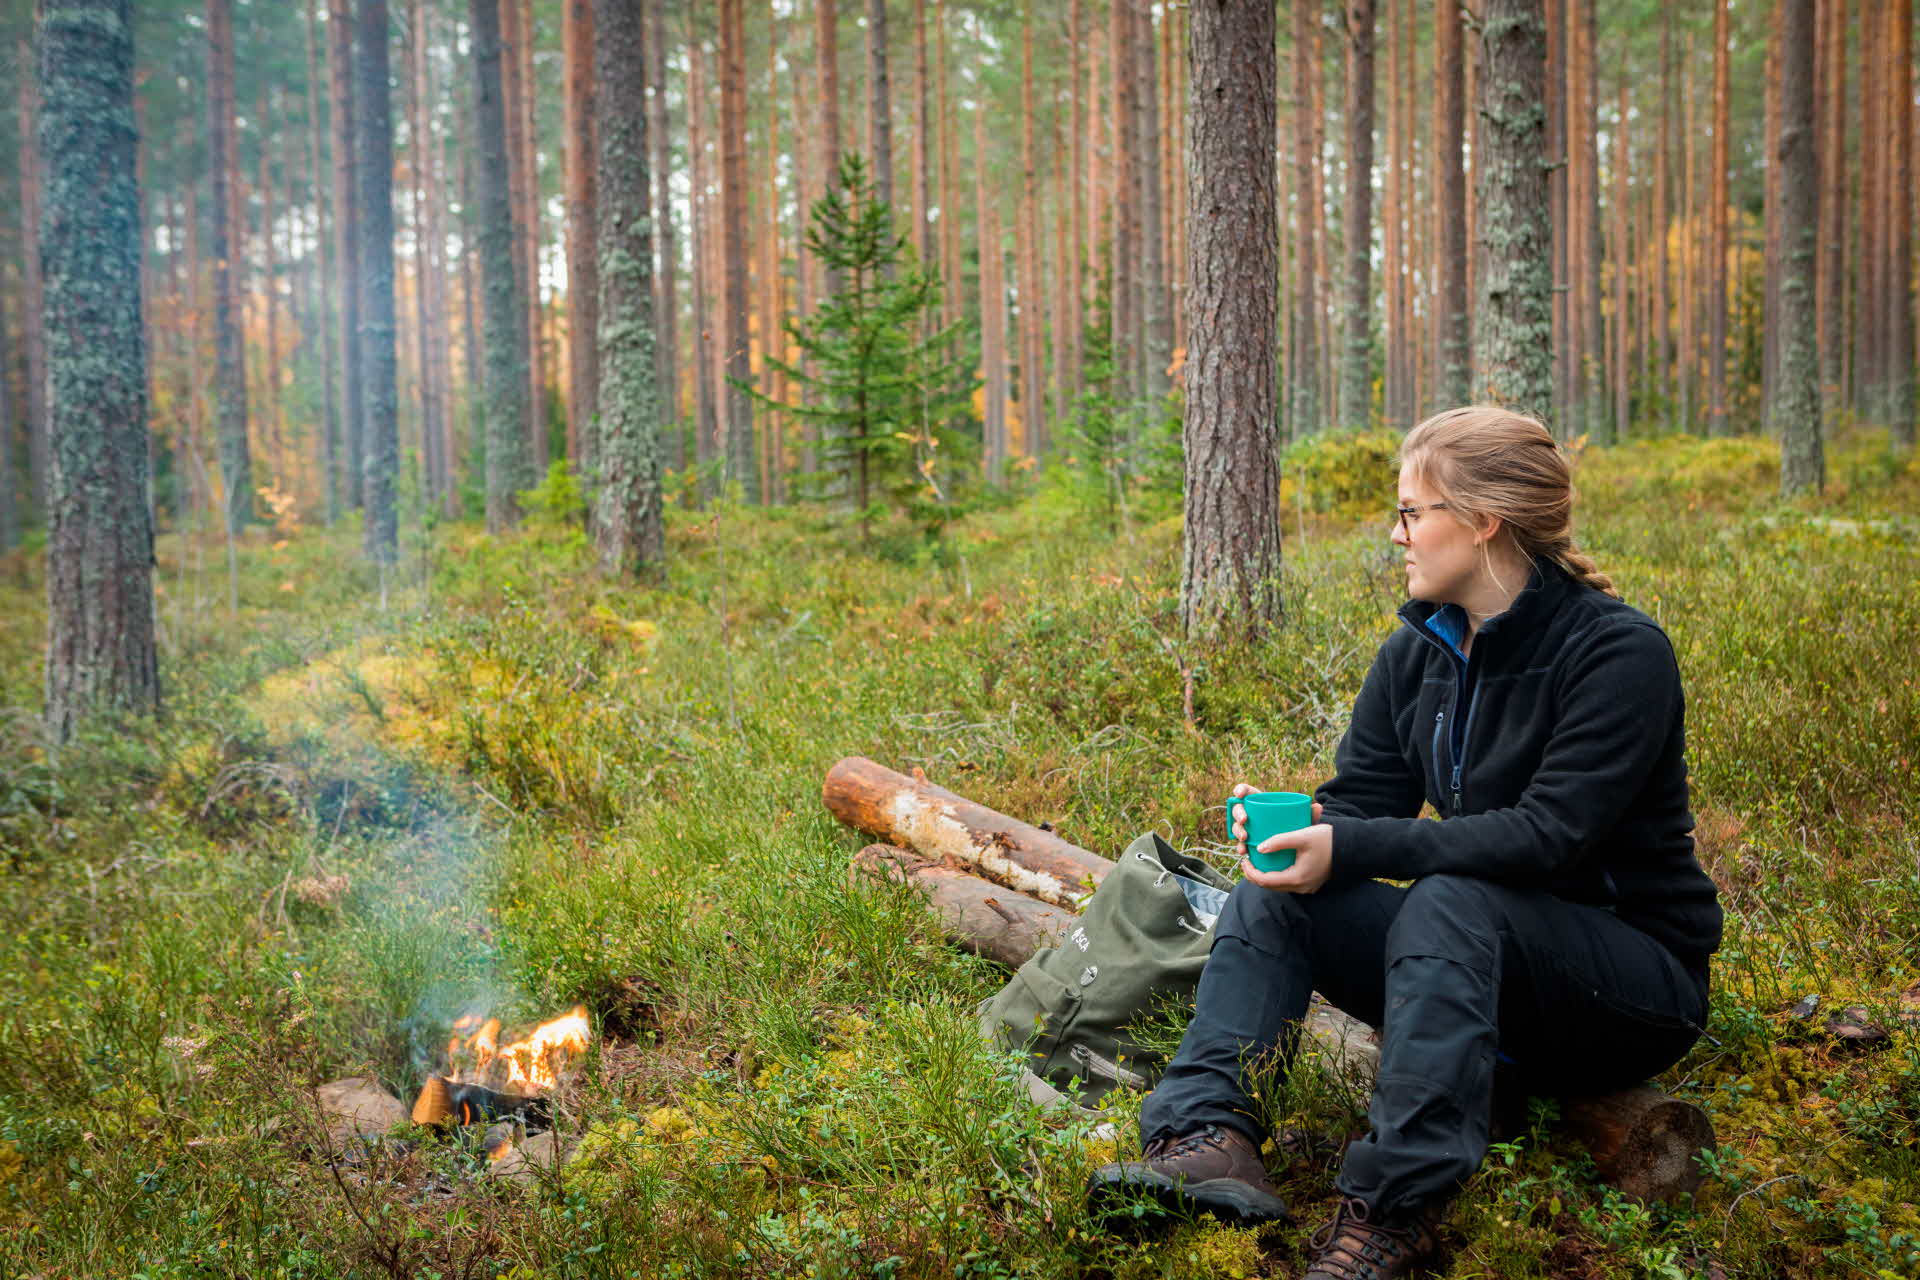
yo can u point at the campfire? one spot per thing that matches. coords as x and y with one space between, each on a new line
485 1080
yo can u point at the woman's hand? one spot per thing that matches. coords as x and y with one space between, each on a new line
1313 851
1312 859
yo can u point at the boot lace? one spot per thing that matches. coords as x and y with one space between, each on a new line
1167 1148
1355 1247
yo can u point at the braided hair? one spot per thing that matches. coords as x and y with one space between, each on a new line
1488 461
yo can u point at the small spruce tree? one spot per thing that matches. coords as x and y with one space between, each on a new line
882 395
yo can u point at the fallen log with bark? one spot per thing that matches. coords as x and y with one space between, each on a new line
1643 1142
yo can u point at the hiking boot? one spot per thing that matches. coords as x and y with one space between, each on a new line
1357 1245
1216 1171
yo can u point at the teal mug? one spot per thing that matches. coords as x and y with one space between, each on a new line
1268 814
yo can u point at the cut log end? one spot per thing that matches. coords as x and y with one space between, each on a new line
1643 1142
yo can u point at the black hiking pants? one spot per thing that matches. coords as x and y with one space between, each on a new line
1455 973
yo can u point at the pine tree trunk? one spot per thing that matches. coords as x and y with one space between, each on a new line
1232 557
993 308
1795 407
922 153
742 455
1593 369
1306 402
666 304
1899 319
506 373
826 53
578 55
1033 417
1622 261
346 242
1356 351
440 298
230 387
1125 250
379 398
1834 207
1770 212
629 528
1560 195
420 147
706 411
1663 227
1077 185
9 483
1156 320
273 423
1718 423
33 300
101 657
1513 311
1456 371
1392 234
879 103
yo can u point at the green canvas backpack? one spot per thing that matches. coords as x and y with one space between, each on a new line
1141 941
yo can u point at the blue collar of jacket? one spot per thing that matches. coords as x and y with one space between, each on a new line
1445 624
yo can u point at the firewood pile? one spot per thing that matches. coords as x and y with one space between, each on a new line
1004 889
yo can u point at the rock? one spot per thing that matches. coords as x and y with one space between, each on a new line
357 1107
525 1159
1853 1031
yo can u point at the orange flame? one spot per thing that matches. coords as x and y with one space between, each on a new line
524 1066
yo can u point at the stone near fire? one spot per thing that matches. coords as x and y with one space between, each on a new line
357 1107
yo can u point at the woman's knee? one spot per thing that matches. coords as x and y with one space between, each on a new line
1445 914
1257 916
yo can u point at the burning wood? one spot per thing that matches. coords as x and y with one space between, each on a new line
485 1080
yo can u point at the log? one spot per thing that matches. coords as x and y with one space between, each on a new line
1643 1142
914 813
1000 924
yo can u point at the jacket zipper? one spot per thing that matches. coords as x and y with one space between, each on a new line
1458 758
1460 761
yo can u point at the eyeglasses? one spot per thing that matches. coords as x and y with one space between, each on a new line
1410 516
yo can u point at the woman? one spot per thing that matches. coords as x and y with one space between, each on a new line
1557 920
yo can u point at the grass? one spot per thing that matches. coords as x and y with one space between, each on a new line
522 786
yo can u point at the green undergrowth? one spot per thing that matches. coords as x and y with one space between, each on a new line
518 786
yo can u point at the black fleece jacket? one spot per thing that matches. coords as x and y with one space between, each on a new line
1554 756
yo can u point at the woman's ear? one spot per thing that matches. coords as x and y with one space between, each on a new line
1489 529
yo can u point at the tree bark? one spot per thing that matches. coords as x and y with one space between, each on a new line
1306 347
9 483
1718 200
378 355
1831 151
1454 355
1899 319
1794 410
1156 320
826 52
1124 251
993 307
1231 563
346 243
1593 377
666 306
101 657
506 374
1033 413
987 919
230 386
879 103
577 37
1622 262
1356 352
1663 227
707 442
629 529
1513 318
916 814
742 455
33 301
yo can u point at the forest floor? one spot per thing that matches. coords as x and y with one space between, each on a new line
519 786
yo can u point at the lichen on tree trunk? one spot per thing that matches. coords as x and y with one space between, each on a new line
100 631
1513 318
506 373
628 527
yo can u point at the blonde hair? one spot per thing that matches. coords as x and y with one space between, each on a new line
1488 461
